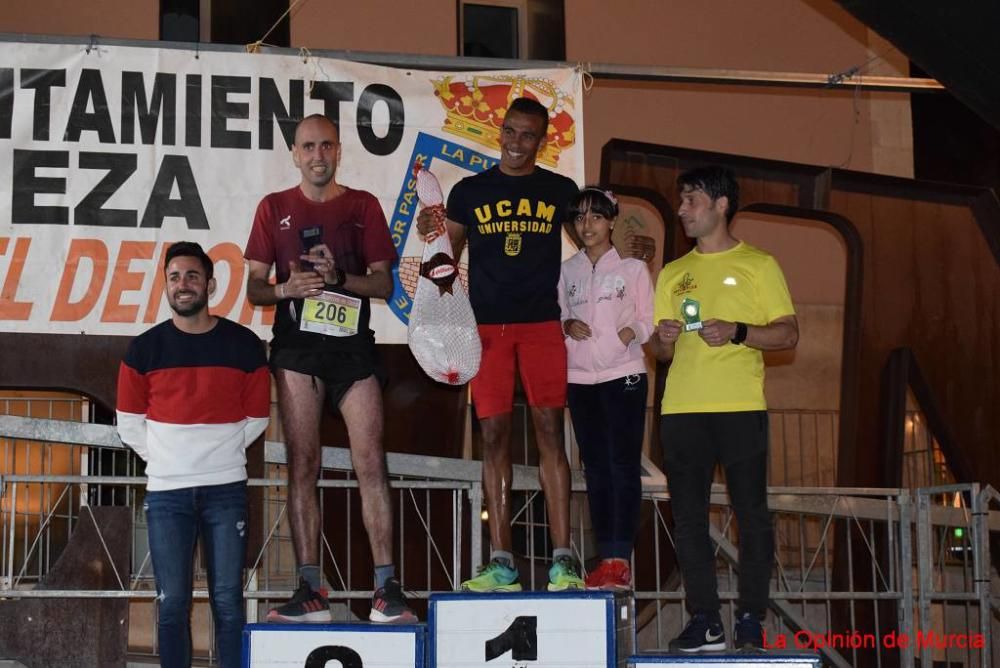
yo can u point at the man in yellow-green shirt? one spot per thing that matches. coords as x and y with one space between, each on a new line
716 309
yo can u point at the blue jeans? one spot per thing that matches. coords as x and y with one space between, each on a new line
176 517
609 420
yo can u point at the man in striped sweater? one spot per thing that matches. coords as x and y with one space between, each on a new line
193 394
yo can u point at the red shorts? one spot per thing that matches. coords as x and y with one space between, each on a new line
540 354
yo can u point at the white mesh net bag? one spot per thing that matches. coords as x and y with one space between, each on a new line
442 331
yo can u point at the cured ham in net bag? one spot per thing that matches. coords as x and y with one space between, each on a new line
442 331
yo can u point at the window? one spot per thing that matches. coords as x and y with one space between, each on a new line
527 29
490 31
180 20
223 21
239 22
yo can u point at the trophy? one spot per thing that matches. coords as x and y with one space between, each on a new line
691 312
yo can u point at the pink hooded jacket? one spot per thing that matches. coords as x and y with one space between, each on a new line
609 296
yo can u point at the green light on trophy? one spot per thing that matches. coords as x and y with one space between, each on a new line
691 312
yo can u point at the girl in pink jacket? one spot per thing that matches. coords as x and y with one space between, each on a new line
607 314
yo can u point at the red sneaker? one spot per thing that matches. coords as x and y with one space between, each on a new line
610 575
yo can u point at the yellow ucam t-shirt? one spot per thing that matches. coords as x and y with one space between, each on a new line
742 284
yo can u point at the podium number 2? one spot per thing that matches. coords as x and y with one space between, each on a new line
520 638
321 656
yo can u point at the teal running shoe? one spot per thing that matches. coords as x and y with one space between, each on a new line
494 576
565 575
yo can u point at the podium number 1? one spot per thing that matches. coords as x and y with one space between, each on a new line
321 656
520 638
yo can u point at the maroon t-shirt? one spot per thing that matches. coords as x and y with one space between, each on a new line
353 227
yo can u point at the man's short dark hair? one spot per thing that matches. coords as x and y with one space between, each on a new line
314 117
189 249
530 107
715 181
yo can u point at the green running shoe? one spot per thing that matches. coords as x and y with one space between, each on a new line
494 576
565 574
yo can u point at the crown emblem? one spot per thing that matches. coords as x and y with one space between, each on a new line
475 108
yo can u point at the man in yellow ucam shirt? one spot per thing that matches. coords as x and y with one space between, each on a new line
716 309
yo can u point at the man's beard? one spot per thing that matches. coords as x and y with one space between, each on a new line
189 309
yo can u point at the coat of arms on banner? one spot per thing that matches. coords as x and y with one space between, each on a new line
475 107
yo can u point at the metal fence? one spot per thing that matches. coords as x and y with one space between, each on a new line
854 567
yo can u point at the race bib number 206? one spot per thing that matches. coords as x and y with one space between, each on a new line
331 314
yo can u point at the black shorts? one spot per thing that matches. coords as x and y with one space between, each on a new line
337 369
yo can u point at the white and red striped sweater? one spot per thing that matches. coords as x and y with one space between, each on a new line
190 404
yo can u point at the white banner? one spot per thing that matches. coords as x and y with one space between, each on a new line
110 154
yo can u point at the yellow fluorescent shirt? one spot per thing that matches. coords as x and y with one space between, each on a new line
742 284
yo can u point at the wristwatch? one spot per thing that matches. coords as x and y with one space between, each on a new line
340 276
741 333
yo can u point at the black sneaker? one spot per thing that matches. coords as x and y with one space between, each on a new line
703 633
305 605
389 605
748 633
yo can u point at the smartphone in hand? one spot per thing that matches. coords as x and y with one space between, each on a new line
309 236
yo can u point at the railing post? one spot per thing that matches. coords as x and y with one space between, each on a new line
456 552
905 611
250 602
981 568
925 571
84 470
11 525
475 528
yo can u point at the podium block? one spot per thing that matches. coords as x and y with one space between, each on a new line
724 660
536 629
357 645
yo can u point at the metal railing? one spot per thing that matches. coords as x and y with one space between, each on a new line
923 556
884 540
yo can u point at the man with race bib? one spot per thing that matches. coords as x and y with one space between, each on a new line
331 252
